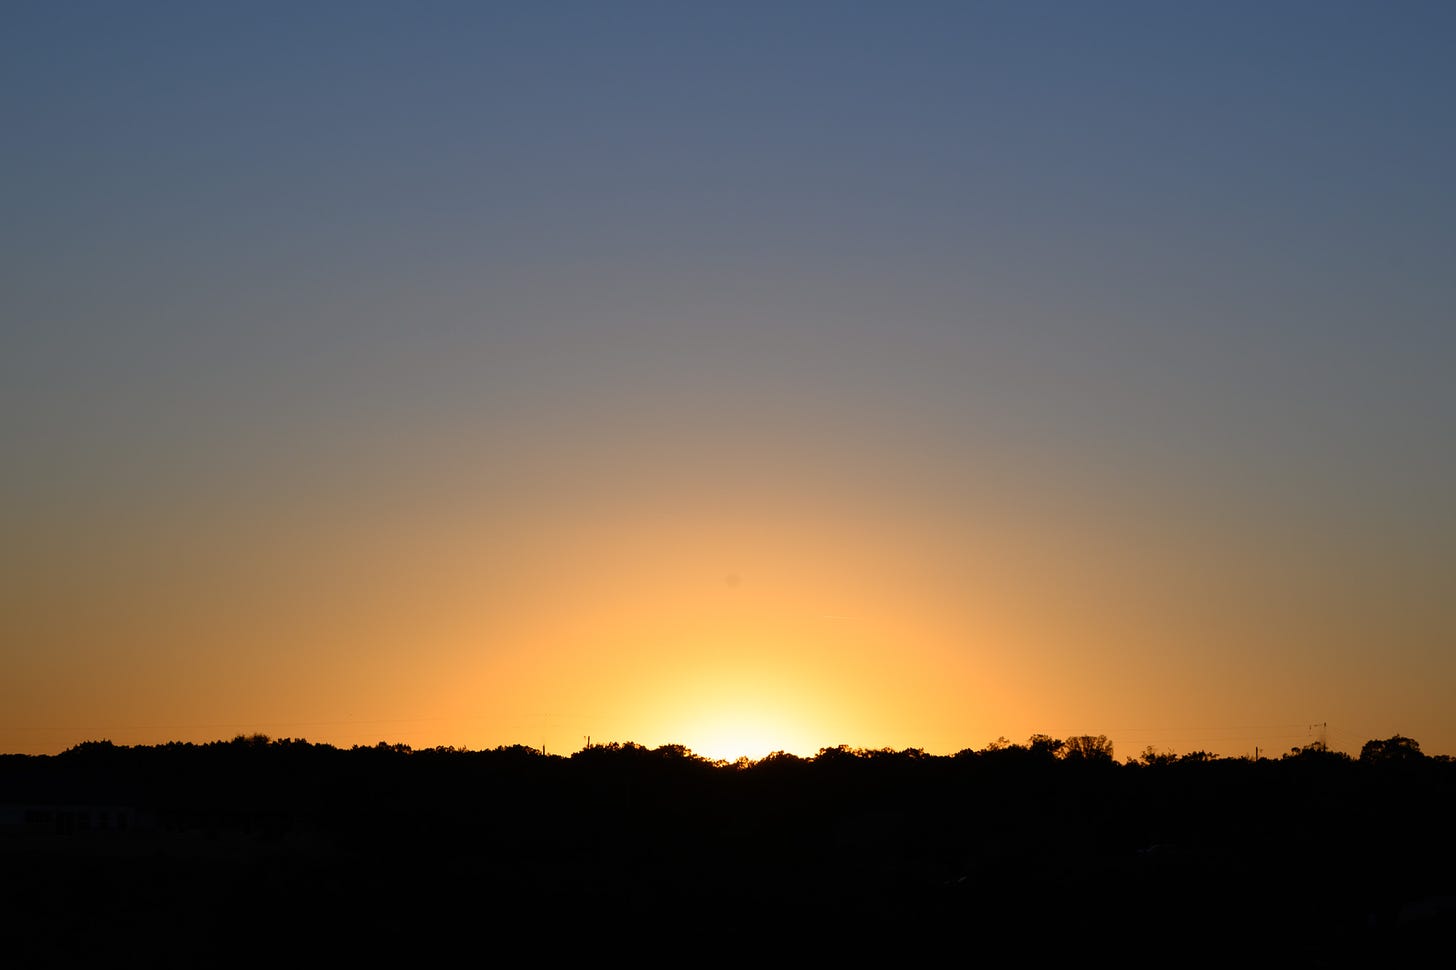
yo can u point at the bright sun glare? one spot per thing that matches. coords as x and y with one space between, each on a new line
728 736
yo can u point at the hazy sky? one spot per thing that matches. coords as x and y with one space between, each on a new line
746 376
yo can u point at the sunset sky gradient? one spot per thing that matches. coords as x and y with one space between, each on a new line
745 376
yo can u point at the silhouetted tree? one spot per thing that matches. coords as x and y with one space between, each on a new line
1393 750
676 752
1044 745
840 754
1087 747
1316 752
1152 757
1199 757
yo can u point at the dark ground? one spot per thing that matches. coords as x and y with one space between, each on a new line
249 851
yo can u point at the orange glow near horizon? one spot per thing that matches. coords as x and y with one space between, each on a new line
790 625
718 585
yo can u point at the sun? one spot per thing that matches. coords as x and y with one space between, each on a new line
731 739
735 692
746 727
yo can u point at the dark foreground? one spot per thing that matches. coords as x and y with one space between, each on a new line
255 851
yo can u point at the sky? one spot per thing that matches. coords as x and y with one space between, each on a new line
746 376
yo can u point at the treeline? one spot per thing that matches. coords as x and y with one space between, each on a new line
1314 856
1077 748
315 786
